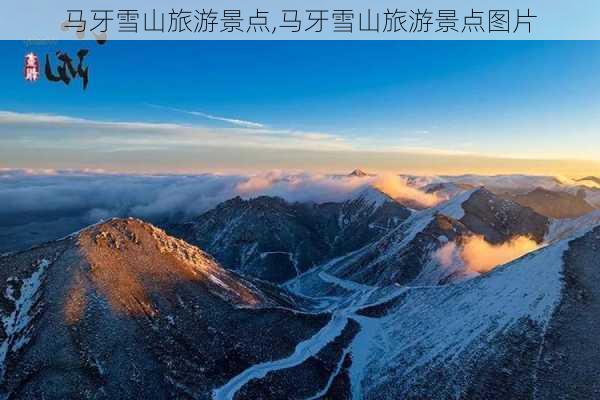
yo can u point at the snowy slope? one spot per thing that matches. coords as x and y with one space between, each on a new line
449 330
564 228
480 339
18 324
125 310
378 263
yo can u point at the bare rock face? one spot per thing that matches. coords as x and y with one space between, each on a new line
122 310
271 239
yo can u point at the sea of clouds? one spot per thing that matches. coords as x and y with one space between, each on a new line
39 205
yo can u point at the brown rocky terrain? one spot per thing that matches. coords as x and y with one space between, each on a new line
121 310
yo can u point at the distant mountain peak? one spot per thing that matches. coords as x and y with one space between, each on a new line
359 173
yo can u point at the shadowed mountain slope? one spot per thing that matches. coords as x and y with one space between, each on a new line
269 238
553 204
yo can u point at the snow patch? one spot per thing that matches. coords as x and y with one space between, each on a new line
302 352
453 207
344 283
373 197
17 325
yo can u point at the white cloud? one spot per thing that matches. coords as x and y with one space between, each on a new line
87 194
234 121
15 118
49 131
107 135
240 122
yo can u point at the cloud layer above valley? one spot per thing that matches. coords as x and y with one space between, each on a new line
34 200
96 195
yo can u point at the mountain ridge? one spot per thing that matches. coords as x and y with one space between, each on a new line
159 326
272 239
122 310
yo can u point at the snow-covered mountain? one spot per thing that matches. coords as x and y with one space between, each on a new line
515 182
547 195
407 255
590 194
378 240
275 240
478 297
495 336
520 332
561 229
122 310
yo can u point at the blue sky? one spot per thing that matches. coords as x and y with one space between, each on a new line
346 102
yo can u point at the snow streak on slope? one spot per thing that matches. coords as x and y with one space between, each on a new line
419 221
453 207
372 197
410 335
302 352
17 324
342 308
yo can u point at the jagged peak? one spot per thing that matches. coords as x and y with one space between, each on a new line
130 255
262 201
359 173
116 221
483 193
127 234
